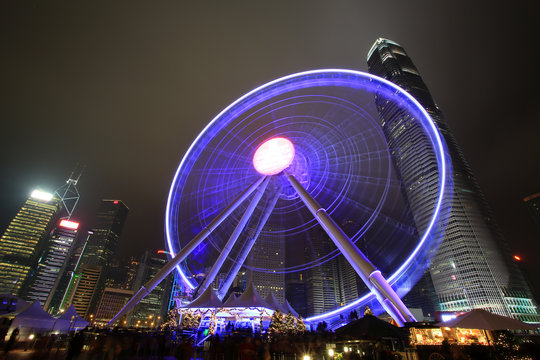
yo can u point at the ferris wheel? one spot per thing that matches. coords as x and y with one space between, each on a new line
297 161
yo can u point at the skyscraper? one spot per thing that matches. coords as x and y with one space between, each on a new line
24 240
532 203
268 253
322 285
97 256
107 228
473 267
153 308
52 262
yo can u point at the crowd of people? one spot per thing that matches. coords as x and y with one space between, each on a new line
125 344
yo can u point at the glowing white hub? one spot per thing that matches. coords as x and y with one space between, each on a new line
273 156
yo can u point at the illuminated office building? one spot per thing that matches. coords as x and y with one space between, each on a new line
98 254
111 302
107 229
52 262
473 267
268 253
84 289
533 206
24 240
151 310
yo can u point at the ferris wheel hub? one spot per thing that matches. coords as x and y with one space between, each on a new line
273 156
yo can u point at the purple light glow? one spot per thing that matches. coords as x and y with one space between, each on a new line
273 156
331 77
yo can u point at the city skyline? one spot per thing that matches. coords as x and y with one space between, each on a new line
132 140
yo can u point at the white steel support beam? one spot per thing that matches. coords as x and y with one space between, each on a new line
232 239
361 264
185 251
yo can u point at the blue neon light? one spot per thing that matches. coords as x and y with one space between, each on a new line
304 80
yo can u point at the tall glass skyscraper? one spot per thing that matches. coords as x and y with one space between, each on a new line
268 253
151 310
52 262
24 240
97 256
532 202
473 267
107 228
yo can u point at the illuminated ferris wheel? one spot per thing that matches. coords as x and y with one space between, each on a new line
302 156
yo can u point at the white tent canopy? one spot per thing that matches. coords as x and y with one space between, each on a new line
482 319
250 299
274 303
249 304
70 320
32 318
208 299
289 309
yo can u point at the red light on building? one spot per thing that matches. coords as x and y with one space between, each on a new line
69 224
163 252
518 258
115 202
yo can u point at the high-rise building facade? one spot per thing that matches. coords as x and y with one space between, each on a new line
151 310
111 302
473 267
84 290
268 253
106 229
321 282
52 262
532 202
24 239
97 257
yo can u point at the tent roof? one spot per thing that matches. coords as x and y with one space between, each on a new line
35 311
230 301
70 320
289 309
68 314
31 311
482 319
208 299
371 327
274 303
250 298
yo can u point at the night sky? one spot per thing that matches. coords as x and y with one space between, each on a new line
125 87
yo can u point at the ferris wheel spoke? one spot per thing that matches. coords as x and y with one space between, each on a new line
222 152
355 138
358 158
363 179
231 184
220 171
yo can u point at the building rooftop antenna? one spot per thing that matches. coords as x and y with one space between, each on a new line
68 192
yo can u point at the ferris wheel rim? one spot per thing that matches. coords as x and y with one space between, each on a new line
439 145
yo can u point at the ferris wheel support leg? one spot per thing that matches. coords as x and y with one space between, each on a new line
185 251
361 264
247 248
232 239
